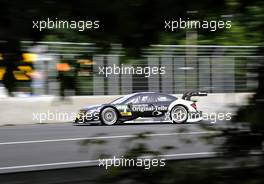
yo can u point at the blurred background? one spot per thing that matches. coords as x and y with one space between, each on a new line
228 63
76 67
132 33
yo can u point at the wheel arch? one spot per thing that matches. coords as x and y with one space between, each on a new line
178 102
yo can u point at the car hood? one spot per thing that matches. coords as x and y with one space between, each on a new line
93 107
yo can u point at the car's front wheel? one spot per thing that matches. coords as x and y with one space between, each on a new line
109 116
179 114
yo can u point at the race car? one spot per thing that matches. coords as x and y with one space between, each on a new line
143 105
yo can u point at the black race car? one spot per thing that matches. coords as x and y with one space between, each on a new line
143 105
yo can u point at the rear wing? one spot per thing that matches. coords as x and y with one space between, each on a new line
189 94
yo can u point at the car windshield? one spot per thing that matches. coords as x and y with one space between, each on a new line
121 99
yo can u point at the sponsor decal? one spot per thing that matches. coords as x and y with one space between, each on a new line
126 113
124 110
156 113
148 108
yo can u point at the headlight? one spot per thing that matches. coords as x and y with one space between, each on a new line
82 111
81 114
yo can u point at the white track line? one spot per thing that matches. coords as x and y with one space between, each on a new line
105 137
49 164
97 161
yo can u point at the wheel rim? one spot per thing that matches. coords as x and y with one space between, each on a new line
109 116
179 114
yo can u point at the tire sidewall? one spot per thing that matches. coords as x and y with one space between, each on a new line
102 114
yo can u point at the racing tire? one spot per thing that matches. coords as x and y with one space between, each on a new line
179 114
109 116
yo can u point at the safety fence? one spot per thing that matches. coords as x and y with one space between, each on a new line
162 68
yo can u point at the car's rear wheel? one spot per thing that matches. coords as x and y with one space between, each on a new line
109 116
179 114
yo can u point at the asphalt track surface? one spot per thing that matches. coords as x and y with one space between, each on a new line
49 146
